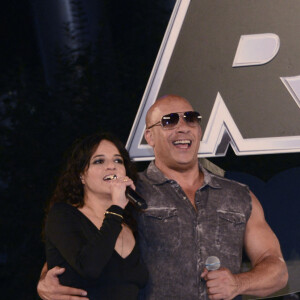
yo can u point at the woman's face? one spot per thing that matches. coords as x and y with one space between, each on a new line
105 161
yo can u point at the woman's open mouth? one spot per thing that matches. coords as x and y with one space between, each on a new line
110 177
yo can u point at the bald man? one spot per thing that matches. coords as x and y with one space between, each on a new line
193 214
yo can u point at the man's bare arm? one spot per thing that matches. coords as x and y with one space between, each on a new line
269 272
49 287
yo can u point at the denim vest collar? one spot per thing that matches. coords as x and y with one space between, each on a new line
158 178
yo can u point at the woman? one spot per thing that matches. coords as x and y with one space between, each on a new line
88 230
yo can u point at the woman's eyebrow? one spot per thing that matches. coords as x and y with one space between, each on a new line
102 155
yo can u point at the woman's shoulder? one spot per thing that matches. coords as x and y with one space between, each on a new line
62 215
62 208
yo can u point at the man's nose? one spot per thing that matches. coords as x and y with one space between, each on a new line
182 125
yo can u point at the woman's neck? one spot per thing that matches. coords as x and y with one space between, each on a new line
95 206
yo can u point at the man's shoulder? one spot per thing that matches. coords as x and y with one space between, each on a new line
143 179
211 167
217 179
151 175
216 173
142 175
223 181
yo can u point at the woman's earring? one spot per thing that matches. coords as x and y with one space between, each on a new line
82 181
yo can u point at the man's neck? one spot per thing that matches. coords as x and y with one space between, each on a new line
186 176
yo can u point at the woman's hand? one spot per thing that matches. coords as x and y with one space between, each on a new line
118 190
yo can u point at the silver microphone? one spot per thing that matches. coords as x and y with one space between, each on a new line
212 263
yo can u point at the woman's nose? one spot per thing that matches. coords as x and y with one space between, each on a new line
110 166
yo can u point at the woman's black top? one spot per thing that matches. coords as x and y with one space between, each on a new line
87 253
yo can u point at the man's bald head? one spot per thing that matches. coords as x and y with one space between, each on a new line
166 100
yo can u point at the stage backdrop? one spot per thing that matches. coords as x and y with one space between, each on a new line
238 63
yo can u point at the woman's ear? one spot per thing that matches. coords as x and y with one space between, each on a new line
82 179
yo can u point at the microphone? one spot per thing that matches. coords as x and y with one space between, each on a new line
212 263
135 198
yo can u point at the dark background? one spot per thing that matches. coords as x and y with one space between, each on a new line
91 80
96 85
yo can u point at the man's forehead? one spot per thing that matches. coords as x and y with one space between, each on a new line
171 105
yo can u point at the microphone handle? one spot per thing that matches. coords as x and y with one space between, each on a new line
135 198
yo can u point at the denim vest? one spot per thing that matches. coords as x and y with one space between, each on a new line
176 239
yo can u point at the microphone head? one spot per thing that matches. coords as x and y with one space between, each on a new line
212 263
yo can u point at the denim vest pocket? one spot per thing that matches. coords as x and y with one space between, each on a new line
162 228
230 232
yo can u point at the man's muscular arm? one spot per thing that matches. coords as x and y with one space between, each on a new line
49 287
269 272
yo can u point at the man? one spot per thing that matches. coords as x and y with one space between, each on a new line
192 215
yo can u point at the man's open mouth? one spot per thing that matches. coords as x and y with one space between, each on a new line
183 144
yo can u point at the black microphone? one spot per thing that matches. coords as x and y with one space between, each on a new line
212 263
135 198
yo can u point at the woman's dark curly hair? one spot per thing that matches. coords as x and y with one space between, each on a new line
69 188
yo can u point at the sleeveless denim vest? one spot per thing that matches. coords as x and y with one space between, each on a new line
176 239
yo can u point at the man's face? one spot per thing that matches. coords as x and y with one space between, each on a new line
175 148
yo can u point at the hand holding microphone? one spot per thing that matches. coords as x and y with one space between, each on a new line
135 198
220 282
212 263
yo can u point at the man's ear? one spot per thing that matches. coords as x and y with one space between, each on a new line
200 134
149 137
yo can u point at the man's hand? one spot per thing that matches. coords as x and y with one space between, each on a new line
49 287
221 284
